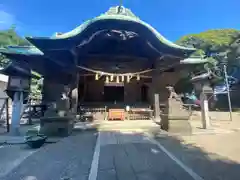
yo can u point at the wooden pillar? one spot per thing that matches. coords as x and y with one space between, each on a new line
74 95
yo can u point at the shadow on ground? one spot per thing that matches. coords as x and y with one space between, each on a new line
210 166
123 155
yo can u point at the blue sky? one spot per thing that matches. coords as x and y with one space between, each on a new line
172 18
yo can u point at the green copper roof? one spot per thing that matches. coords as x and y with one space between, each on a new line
194 61
27 50
123 15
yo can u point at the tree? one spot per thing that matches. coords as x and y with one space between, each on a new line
9 37
216 46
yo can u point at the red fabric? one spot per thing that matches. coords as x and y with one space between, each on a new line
197 102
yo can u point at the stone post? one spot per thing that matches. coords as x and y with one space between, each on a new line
204 111
74 96
203 88
16 113
156 108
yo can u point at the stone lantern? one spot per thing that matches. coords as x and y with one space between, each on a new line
18 89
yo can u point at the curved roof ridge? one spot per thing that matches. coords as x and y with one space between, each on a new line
126 15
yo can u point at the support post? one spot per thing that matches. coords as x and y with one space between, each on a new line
7 115
16 112
204 111
30 112
157 108
228 91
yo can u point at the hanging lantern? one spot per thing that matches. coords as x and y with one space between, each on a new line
107 79
138 77
96 77
122 78
117 79
111 78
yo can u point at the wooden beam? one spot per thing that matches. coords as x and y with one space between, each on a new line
108 57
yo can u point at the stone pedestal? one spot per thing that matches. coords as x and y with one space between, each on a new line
58 120
174 118
56 126
176 110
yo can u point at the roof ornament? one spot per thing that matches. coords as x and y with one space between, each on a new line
120 7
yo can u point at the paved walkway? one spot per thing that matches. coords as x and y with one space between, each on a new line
133 156
69 159
119 152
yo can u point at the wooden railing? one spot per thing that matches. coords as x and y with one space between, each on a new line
88 112
111 113
140 114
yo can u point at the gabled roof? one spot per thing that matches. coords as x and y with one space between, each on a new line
113 19
125 15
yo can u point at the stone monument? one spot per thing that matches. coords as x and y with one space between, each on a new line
174 118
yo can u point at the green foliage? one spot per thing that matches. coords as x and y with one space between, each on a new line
35 90
216 40
225 41
9 37
3 61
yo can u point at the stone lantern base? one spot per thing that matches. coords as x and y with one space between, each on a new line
57 121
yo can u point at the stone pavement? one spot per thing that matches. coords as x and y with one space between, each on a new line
133 156
117 154
70 159
126 150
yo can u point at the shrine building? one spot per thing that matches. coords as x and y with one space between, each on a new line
113 60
